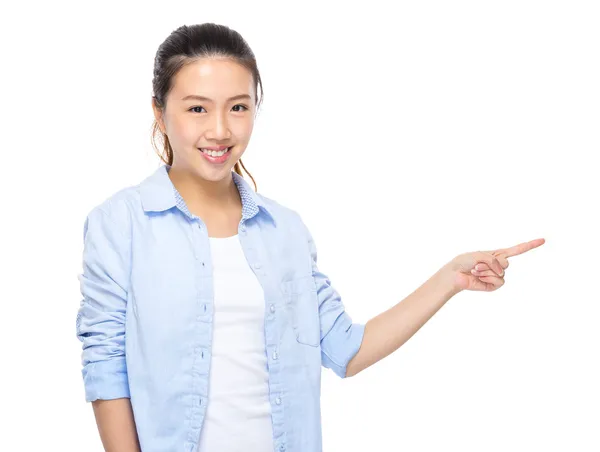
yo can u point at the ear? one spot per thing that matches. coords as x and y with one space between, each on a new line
158 115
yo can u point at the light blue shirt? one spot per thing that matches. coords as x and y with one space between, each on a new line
146 316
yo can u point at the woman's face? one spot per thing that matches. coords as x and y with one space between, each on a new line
211 104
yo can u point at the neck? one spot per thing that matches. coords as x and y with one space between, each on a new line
204 194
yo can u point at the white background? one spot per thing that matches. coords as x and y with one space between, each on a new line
404 134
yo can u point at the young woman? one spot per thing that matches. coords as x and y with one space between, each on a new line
205 320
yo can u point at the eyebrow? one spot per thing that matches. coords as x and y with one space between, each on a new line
206 99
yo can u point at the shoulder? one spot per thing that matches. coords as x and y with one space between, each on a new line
117 210
287 216
278 209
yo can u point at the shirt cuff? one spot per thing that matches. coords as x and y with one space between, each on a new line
106 380
339 348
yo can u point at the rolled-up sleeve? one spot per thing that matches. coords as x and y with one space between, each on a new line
101 316
340 337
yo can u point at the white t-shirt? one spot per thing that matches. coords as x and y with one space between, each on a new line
238 414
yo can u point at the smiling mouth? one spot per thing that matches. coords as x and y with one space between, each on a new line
216 153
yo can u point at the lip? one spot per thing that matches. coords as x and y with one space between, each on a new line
216 160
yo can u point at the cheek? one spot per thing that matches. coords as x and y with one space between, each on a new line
243 129
186 131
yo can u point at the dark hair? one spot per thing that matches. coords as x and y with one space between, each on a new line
188 44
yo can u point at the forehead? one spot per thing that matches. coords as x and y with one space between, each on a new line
213 78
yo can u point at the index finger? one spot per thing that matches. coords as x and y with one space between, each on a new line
521 248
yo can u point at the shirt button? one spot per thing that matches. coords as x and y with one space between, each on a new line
275 355
282 447
257 265
272 308
278 400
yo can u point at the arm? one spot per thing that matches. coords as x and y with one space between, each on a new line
116 425
386 332
101 328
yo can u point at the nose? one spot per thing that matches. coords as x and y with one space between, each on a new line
218 128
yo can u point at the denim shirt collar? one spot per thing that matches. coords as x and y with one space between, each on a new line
158 194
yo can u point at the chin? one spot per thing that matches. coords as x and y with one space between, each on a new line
214 174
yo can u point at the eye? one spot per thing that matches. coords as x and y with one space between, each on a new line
237 111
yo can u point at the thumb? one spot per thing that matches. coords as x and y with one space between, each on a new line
491 260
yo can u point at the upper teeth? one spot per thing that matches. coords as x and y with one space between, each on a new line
214 153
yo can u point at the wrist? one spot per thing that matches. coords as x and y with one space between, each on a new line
447 276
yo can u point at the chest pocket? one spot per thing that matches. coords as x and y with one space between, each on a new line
301 297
